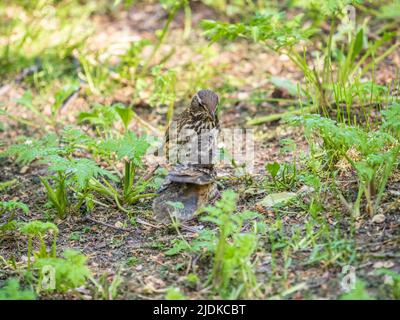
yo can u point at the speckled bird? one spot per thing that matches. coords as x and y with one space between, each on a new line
196 125
190 144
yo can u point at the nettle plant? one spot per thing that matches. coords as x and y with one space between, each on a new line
38 230
81 176
68 272
51 272
130 150
232 249
68 173
373 155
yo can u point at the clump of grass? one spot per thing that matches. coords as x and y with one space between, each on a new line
371 154
332 77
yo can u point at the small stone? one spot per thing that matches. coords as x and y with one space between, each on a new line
139 267
24 170
119 224
378 218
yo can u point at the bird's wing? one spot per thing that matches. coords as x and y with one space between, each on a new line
177 135
200 175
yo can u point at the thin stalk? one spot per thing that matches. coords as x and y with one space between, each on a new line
160 40
356 207
29 252
219 256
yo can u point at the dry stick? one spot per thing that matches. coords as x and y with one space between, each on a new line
146 124
188 228
189 266
139 220
278 116
87 218
148 176
70 98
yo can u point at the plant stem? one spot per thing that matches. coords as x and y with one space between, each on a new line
160 40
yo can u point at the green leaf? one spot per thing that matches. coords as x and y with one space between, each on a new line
176 205
273 168
126 114
70 272
37 228
130 146
358 44
28 150
12 205
175 294
102 116
276 198
81 170
63 94
7 184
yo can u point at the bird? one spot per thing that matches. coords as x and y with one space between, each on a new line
191 138
190 144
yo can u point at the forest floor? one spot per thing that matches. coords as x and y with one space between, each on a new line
133 247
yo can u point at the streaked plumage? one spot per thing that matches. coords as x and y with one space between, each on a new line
190 147
198 123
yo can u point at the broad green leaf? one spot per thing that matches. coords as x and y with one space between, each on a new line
358 44
273 168
276 198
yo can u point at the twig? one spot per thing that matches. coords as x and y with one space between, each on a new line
187 228
146 124
148 176
70 98
139 220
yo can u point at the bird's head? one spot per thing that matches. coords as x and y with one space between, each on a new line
207 100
